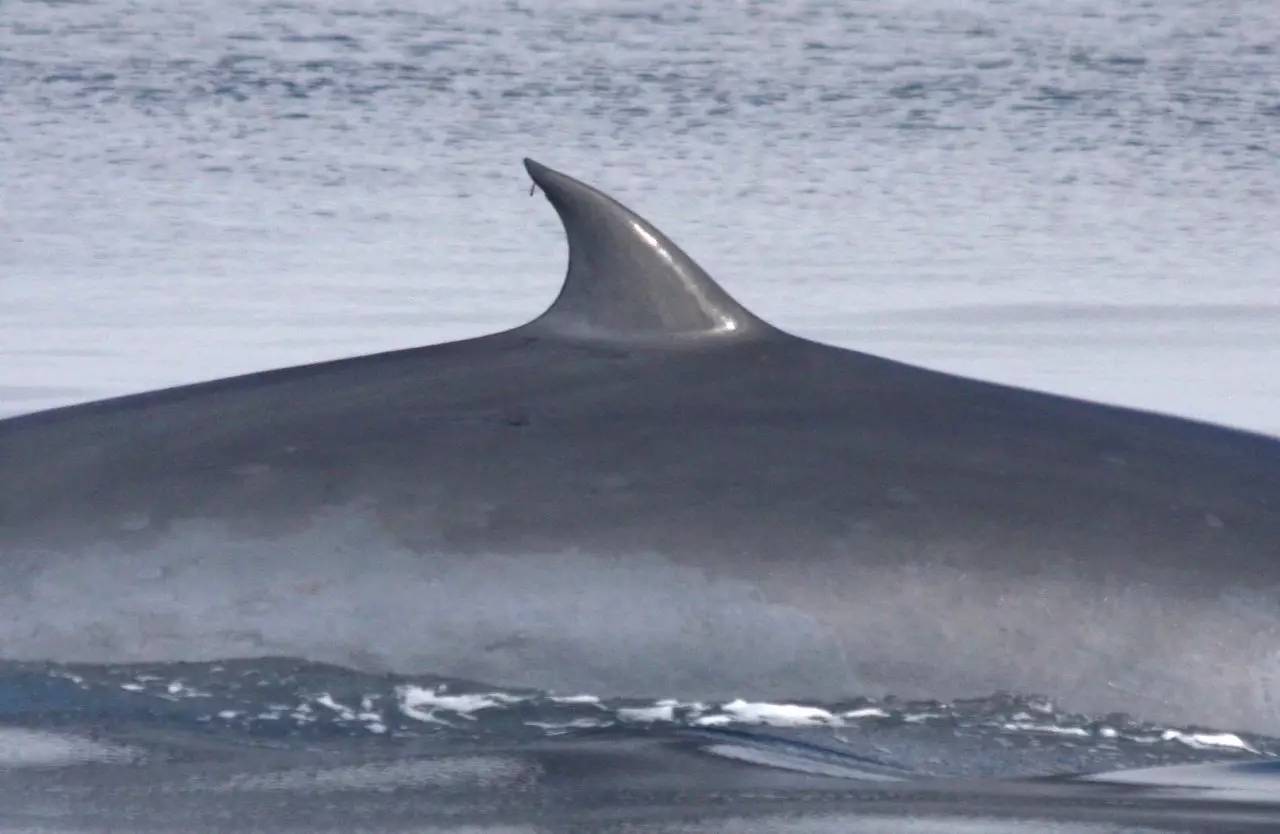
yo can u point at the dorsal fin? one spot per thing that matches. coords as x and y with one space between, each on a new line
626 280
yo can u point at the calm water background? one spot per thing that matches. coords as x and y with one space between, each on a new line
1081 197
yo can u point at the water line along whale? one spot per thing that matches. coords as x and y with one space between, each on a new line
650 490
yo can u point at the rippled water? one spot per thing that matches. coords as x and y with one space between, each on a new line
279 744
428 734
1001 735
1074 196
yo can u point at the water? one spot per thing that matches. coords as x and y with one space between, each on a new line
886 739
278 744
1079 197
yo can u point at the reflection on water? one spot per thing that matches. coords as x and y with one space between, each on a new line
208 187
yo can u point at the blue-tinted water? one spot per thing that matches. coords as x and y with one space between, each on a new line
1079 197
278 744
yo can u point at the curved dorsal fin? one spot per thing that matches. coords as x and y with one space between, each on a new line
626 280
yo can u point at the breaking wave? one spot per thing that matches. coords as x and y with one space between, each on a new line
278 700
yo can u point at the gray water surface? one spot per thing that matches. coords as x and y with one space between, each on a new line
1074 196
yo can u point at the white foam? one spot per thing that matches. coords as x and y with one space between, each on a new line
661 711
575 724
181 690
778 715
865 712
713 720
326 700
1208 741
575 699
421 703
1052 729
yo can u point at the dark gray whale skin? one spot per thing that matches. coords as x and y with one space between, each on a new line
649 490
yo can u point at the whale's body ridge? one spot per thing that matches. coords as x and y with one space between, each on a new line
650 490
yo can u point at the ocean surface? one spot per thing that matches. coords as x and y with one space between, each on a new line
1078 197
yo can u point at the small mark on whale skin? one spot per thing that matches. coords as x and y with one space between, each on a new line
310 587
1214 521
516 419
515 641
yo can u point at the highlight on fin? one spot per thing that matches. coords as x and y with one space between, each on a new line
626 279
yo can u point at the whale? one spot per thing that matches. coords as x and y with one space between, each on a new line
648 489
